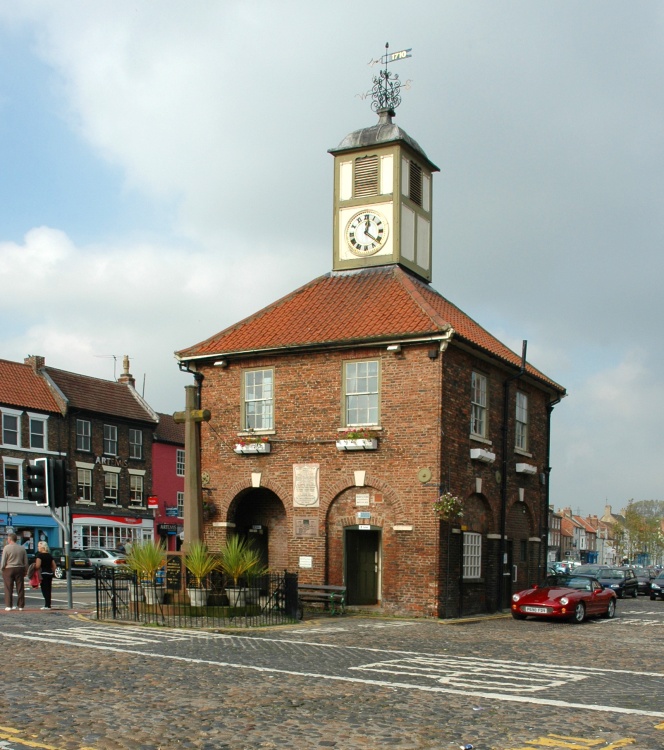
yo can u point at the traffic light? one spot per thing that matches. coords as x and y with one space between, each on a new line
38 481
59 483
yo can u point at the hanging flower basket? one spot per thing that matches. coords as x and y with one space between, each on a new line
357 440
448 507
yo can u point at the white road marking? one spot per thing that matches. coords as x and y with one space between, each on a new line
68 640
484 673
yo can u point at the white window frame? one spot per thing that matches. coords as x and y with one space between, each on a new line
135 443
361 396
12 414
84 481
472 555
38 419
258 398
83 437
110 440
179 462
521 430
479 405
180 501
111 486
136 489
18 464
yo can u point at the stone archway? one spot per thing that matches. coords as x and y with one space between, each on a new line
259 515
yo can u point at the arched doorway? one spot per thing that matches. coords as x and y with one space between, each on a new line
260 516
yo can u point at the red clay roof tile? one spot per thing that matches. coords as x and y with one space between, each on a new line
102 396
351 307
21 386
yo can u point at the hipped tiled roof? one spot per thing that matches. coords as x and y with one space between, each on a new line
20 386
351 308
101 396
168 430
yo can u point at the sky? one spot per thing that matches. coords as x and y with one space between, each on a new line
164 173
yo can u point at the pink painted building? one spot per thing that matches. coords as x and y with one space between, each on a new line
168 481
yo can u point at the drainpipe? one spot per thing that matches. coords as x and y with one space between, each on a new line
544 521
503 478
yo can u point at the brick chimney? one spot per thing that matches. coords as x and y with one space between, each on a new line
126 376
35 361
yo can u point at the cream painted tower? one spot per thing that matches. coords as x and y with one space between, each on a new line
382 199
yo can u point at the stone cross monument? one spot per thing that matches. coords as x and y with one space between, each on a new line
193 495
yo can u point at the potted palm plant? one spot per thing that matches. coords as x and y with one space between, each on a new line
200 563
147 559
238 560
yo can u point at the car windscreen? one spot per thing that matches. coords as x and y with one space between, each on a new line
567 581
617 575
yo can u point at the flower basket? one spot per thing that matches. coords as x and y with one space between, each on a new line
448 507
357 444
358 439
252 448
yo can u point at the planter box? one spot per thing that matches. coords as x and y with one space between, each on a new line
358 444
252 448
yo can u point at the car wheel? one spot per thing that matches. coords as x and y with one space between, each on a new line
579 612
652 598
610 610
60 572
518 616
620 594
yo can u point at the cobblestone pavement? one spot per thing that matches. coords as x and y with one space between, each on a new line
346 682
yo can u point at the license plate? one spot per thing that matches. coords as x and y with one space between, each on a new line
79 563
535 610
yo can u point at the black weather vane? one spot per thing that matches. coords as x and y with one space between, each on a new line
386 90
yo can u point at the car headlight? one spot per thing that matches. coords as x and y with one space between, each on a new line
564 601
515 597
615 585
655 586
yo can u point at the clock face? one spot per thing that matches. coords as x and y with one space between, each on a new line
366 232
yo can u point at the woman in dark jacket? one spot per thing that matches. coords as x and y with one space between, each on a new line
45 564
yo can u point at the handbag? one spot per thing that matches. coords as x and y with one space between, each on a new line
35 579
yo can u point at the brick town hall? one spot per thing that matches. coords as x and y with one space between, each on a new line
341 412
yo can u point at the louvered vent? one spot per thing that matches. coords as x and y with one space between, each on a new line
415 183
366 176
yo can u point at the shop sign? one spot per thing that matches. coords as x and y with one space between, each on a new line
112 461
153 502
172 512
165 528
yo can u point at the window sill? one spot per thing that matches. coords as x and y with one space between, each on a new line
521 452
111 505
85 502
480 439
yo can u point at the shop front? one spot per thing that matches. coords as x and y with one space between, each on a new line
109 532
30 529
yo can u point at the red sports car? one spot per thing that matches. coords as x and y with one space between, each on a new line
566 597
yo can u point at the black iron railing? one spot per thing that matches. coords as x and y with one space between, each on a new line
269 599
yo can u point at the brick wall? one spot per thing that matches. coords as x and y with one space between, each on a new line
424 421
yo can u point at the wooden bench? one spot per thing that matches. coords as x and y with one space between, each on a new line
332 596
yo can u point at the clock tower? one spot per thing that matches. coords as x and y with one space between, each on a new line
382 199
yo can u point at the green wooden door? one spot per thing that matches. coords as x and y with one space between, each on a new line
362 554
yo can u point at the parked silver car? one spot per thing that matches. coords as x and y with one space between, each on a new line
107 557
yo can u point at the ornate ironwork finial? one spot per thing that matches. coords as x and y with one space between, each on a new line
387 86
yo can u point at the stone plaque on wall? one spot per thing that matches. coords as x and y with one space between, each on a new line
306 485
306 527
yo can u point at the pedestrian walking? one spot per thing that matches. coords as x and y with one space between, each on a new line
45 564
13 564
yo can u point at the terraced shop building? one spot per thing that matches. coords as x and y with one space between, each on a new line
343 411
